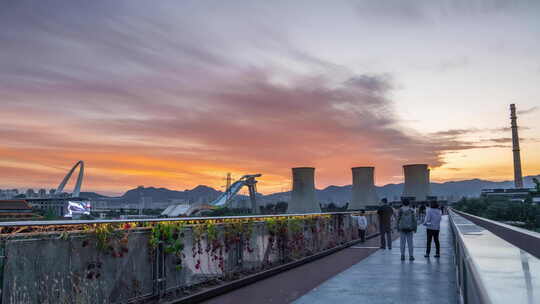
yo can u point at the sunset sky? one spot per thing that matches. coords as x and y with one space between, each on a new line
178 93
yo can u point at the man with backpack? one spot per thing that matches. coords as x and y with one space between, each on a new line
406 226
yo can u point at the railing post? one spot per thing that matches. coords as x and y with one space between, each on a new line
159 270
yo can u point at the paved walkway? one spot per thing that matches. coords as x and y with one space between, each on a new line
288 286
384 278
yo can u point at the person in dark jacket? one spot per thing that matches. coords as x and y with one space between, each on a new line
385 213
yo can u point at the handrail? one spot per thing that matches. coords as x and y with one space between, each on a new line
216 218
527 240
487 265
465 264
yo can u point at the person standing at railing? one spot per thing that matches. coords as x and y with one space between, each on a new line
433 226
385 214
362 225
407 225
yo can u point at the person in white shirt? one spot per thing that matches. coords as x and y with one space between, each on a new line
362 225
433 226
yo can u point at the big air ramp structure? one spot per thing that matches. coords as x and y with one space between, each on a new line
224 200
303 192
416 181
363 188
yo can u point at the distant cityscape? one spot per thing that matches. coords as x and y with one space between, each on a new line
160 198
29 193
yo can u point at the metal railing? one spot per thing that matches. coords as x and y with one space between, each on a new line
165 219
167 257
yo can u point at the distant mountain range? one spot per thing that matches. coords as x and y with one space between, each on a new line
335 194
161 195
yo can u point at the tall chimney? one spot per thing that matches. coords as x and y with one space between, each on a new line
518 179
416 181
303 192
363 188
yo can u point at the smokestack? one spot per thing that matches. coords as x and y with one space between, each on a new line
303 192
518 179
363 188
416 181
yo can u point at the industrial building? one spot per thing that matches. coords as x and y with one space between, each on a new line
303 193
513 195
416 182
15 209
363 188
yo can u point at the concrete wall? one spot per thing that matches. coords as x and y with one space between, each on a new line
363 188
303 193
69 268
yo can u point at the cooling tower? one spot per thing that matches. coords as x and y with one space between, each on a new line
303 192
416 181
363 188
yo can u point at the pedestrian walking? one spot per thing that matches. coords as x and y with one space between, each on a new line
385 213
433 226
362 225
407 225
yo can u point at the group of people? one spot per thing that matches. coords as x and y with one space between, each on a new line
422 210
407 224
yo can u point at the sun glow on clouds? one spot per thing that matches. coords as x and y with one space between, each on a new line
149 95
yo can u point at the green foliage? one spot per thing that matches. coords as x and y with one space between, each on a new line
503 210
277 208
104 233
171 235
296 225
281 207
332 207
275 225
226 211
537 184
472 206
211 231
49 215
87 217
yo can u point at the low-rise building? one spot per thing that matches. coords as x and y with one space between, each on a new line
513 194
15 209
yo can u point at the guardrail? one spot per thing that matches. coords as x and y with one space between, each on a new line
522 238
120 261
489 269
166 219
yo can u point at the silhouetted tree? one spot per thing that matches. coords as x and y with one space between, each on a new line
281 207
